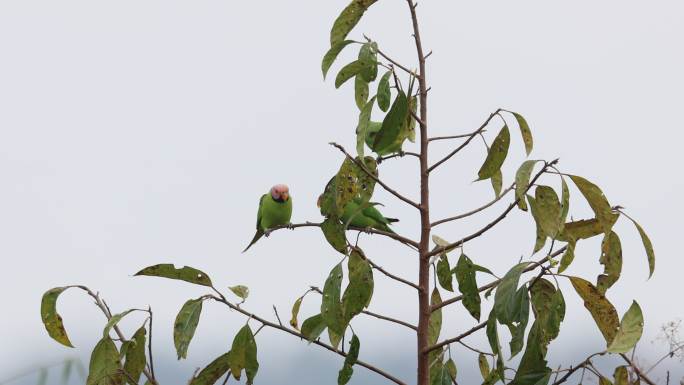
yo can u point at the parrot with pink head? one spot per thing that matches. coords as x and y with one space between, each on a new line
275 209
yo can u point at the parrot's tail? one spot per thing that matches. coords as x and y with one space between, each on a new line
386 228
258 235
392 220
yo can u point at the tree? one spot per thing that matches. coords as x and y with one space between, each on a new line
401 98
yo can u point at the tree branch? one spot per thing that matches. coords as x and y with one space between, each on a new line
397 155
470 237
396 321
457 338
222 299
390 275
498 281
435 138
375 178
108 315
394 236
475 211
577 367
464 144
637 370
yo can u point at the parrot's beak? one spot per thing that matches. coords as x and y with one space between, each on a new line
285 196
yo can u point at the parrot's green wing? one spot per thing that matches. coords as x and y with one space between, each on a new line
259 229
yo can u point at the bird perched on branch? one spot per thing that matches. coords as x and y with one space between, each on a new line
275 209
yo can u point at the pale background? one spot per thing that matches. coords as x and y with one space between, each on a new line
140 132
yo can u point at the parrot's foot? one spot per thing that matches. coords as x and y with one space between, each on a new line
267 232
290 226
368 230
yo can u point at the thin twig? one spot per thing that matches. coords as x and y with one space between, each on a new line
382 317
457 338
390 275
475 211
637 370
397 155
277 316
394 236
461 136
221 299
572 370
510 207
464 144
374 177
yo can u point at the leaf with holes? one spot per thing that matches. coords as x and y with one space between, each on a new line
243 355
240 290
168 270
359 292
347 20
331 306
333 230
347 370
549 210
467 285
597 201
611 259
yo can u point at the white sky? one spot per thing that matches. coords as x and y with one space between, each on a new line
134 133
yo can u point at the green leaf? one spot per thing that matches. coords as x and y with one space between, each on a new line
493 338
312 327
532 369
295 312
360 91
51 319
629 333
599 307
368 54
582 229
522 179
213 372
541 236
392 123
113 321
105 365
240 290
168 270
597 201
548 305
243 355
611 259
185 325
333 230
348 19
347 370
135 356
504 298
331 55
496 155
483 365
444 273
359 292
520 310
648 246
568 256
349 71
497 183
467 285
450 367
549 210
362 126
384 93
525 132
331 306
435 324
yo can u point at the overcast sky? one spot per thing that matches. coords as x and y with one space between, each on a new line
140 132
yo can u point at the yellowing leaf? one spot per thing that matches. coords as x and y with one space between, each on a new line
549 210
648 246
568 256
484 365
621 376
629 333
601 309
435 324
295 312
185 325
496 155
598 202
611 259
522 179
525 132
51 319
168 270
497 183
582 229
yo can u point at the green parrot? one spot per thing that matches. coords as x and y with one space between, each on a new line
275 209
368 217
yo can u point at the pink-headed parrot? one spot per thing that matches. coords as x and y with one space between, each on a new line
275 209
